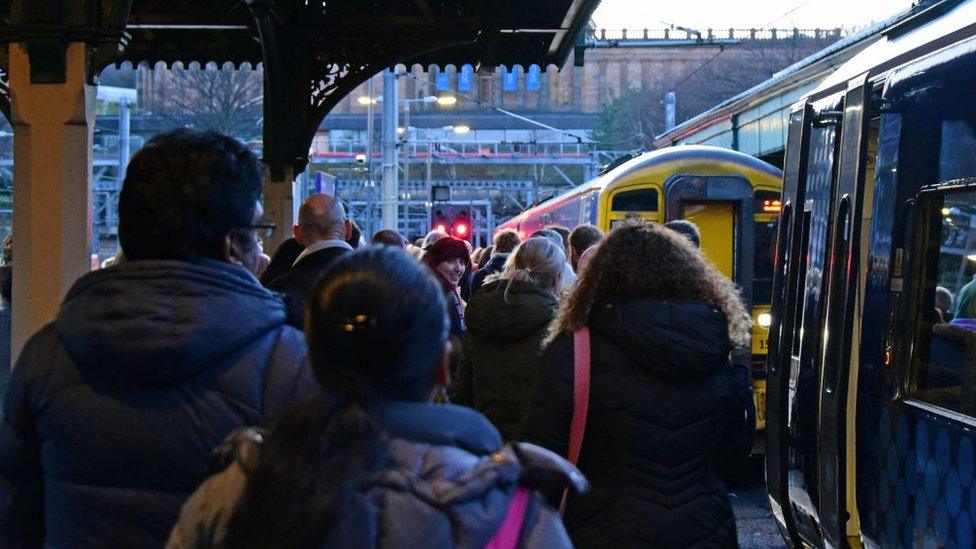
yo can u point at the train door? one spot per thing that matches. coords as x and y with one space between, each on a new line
722 207
793 444
836 507
716 221
783 310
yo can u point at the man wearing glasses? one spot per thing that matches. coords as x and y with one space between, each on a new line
114 408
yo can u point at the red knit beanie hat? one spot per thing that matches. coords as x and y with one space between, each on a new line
445 249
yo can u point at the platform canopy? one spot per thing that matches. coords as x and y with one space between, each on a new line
313 53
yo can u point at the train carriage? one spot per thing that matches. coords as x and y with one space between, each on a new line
871 404
714 187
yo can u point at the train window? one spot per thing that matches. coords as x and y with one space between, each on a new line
766 204
944 366
638 200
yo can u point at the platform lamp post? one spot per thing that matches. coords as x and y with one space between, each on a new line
389 193
390 129
444 101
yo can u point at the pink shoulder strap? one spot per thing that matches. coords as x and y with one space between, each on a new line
581 399
581 391
507 537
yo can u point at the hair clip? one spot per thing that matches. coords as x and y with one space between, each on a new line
356 323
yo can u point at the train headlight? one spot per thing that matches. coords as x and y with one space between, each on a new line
765 320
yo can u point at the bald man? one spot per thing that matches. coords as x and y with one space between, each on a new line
323 229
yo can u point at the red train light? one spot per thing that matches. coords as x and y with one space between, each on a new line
441 228
461 229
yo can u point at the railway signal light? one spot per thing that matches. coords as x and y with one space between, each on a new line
451 219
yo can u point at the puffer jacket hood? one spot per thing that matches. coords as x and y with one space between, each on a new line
672 339
503 311
158 323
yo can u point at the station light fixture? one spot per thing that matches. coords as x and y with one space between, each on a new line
364 100
447 100
400 130
971 257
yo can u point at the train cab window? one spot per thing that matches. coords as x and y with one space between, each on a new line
766 209
943 369
638 200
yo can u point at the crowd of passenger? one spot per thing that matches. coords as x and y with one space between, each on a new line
199 393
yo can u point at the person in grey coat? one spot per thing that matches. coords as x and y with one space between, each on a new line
371 462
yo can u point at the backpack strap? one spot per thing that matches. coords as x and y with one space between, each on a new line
581 392
507 536
581 398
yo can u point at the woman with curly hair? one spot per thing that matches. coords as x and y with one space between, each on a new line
663 403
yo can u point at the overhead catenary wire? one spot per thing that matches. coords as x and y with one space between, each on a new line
722 49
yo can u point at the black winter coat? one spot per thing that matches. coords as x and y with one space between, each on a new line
494 265
298 281
663 408
114 407
500 361
449 483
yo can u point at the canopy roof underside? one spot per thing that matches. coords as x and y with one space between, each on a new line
313 51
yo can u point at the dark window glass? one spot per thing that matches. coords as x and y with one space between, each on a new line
765 203
762 285
818 192
639 200
944 366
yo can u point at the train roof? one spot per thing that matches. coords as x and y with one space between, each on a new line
682 153
800 73
932 27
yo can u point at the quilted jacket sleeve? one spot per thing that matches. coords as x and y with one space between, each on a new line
739 421
289 376
21 479
550 410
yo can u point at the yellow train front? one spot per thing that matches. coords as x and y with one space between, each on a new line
732 197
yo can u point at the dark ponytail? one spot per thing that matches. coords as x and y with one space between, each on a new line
309 466
376 328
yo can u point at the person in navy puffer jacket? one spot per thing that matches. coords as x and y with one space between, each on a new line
664 407
115 406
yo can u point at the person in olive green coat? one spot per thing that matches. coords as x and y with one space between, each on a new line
507 320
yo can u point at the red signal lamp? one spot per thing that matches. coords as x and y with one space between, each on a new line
461 229
440 227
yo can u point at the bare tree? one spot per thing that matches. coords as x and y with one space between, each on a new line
225 100
633 119
739 68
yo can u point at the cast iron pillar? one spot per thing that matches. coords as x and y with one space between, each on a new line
52 123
